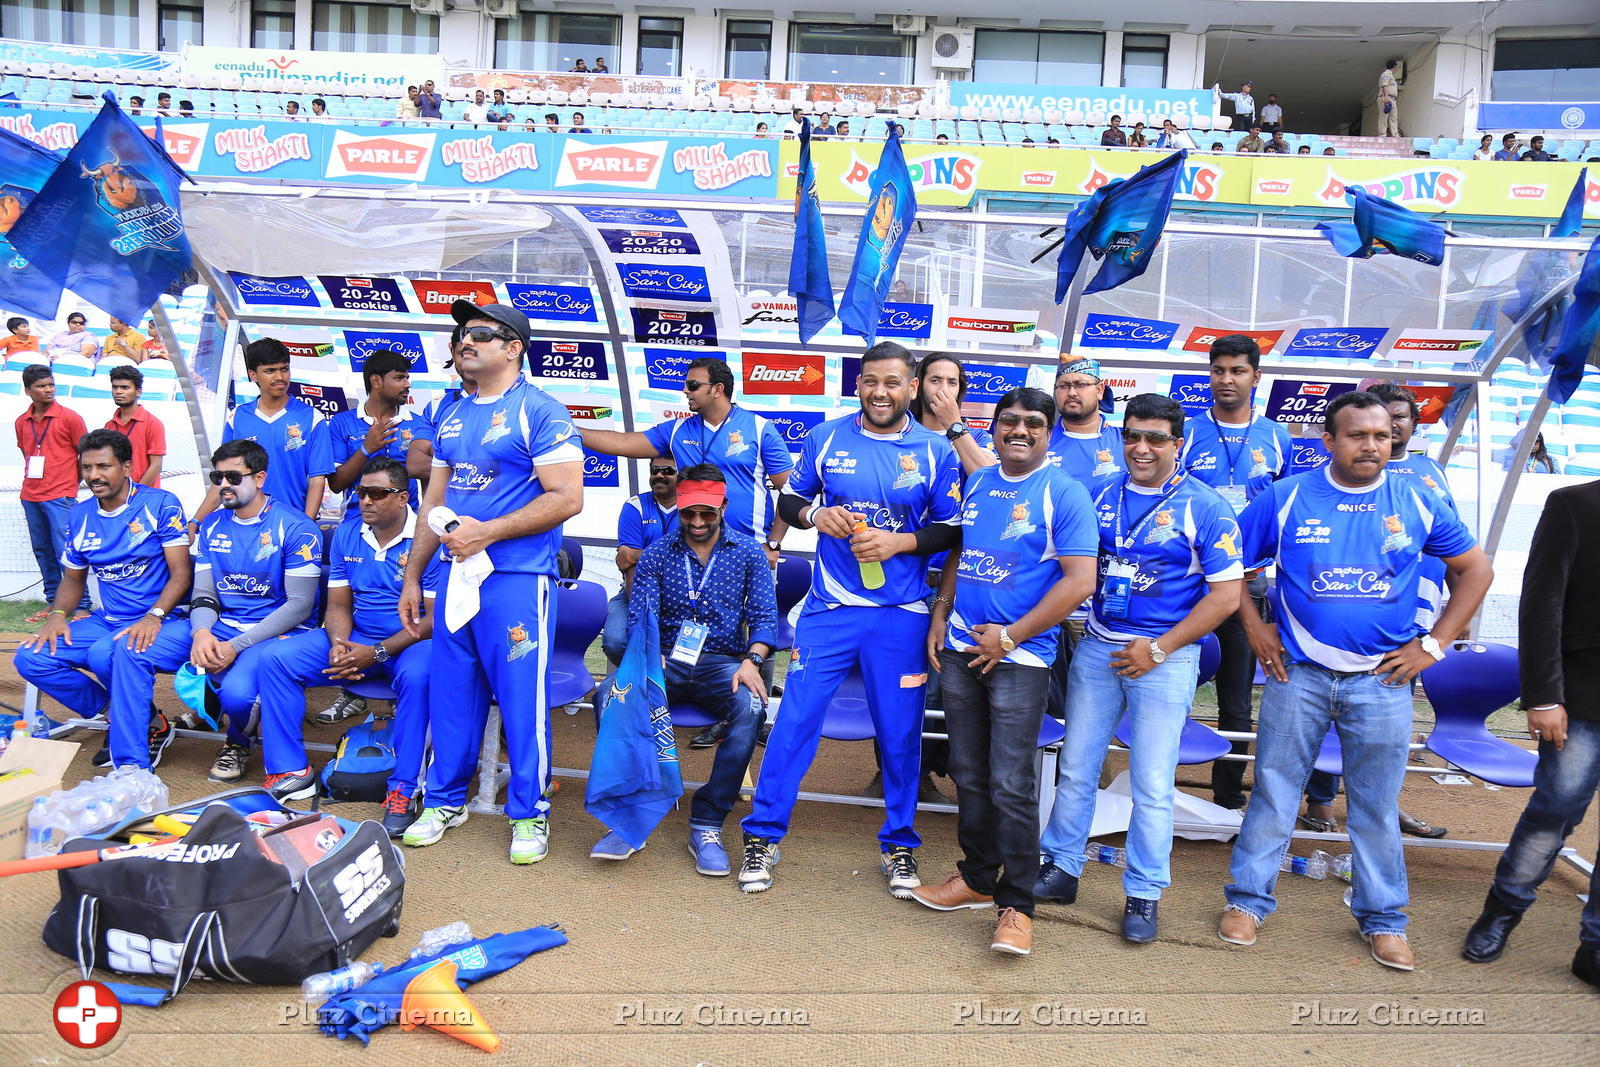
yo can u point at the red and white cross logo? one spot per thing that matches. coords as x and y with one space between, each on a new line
87 1014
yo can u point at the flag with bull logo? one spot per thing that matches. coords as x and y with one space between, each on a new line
891 209
809 281
107 224
1578 329
1571 221
634 779
24 168
1120 225
1382 225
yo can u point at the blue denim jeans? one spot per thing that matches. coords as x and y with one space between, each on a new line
1157 704
1564 782
47 531
614 638
1374 724
709 683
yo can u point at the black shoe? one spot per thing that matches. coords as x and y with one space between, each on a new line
230 763
1055 886
102 755
1140 920
400 811
764 733
291 786
1487 938
161 736
710 736
1586 963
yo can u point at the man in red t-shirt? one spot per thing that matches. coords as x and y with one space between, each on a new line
144 430
47 437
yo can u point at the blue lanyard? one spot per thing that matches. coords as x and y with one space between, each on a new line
705 449
1222 440
688 578
1122 508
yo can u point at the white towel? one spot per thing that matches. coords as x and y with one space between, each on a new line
466 575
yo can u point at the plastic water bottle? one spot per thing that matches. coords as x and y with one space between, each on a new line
440 938
319 987
871 573
1344 868
20 728
42 839
1108 854
1316 865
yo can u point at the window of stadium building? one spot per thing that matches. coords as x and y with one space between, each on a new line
749 49
1557 71
660 47
1144 61
556 42
1025 57
102 23
343 27
868 54
180 24
272 24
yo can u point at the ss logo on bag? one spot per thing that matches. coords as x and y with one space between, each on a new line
361 882
137 954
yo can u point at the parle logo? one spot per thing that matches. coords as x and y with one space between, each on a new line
632 165
404 157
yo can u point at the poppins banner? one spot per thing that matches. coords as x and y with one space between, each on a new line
1156 104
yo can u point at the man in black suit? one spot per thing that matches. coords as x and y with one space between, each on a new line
1559 635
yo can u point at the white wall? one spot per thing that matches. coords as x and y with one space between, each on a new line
226 23
466 38
1186 56
1443 82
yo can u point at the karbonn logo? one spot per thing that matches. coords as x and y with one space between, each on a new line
1435 344
959 322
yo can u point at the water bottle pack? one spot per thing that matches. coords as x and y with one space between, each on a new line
91 805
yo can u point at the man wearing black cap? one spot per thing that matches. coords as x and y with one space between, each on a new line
508 471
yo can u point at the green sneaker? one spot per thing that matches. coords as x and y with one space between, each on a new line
432 823
530 839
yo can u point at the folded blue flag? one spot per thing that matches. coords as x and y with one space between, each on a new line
809 281
1120 225
1381 225
891 209
25 167
107 224
1578 330
1571 220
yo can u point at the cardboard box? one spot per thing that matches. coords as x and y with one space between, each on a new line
48 760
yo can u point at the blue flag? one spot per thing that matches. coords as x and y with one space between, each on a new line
891 209
1120 224
1578 330
107 225
1571 220
633 777
1383 226
25 168
809 281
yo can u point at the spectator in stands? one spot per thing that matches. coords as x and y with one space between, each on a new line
1216 146
21 337
186 109
1136 139
1508 148
600 66
73 342
791 129
135 105
428 101
1172 137
408 107
1540 461
1244 105
1026 140
1485 147
291 110
943 138
1329 151
1303 150
1114 137
763 132
578 125
499 110
824 127
319 109
644 519
552 123
155 347
142 429
1251 142
47 437
164 104
477 112
1389 101
1271 114
124 341
1277 145
1536 152
580 68
1047 140
842 130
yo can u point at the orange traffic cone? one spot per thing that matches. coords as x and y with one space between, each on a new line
433 999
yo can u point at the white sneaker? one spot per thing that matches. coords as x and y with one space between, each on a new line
530 840
432 823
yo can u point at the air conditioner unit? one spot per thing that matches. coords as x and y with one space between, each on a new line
500 9
910 23
1400 72
952 47
428 7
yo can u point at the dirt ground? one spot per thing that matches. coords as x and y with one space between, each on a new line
666 966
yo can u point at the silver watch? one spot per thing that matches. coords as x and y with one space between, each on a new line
1157 654
1005 640
1430 645
157 613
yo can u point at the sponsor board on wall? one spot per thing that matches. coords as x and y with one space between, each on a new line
362 343
1438 346
1123 331
679 282
601 471
1432 400
564 303
665 368
1307 454
185 142
1006 326
1193 392
283 292
784 374
1158 103
581 360
437 295
661 326
794 426
356 70
1201 338
1342 342
667 243
401 157
329 400
355 293
1292 401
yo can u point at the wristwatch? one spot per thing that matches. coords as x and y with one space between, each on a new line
1157 654
757 658
158 613
1430 645
956 432
1005 640
774 546
379 653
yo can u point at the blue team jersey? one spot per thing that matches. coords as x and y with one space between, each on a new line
126 548
1086 456
643 522
494 447
348 433
748 449
297 443
1430 585
901 482
1012 532
1348 562
374 574
1180 544
1237 461
251 560
985 441
436 408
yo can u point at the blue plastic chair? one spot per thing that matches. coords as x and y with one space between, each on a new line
1198 743
574 552
848 717
580 616
1330 757
1472 682
372 689
794 581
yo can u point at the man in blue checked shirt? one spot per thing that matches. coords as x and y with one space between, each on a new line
1239 454
890 494
643 521
1348 541
714 599
1169 572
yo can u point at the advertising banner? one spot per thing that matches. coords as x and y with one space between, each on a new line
1303 402
361 71
1114 331
561 303
1430 186
583 360
363 294
1193 391
1514 115
1347 342
1156 104
282 292
691 329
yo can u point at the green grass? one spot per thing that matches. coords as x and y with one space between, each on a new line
14 615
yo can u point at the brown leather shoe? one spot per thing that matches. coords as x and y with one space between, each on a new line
1392 950
1238 927
1013 933
952 894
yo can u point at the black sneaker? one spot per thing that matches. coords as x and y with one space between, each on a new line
344 706
900 864
710 736
161 735
400 811
102 755
291 786
1055 886
230 763
1140 920
760 856
764 733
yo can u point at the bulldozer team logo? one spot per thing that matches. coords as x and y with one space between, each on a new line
294 438
1163 530
1019 526
517 638
264 545
497 428
910 473
1398 538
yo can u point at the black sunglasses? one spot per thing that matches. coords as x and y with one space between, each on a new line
693 387
485 334
231 477
375 493
1153 438
668 471
1032 422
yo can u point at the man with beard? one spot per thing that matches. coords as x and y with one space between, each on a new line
133 537
382 426
890 496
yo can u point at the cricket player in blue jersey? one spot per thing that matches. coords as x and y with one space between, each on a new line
644 520
1169 572
1239 454
293 432
1026 561
1346 650
257 566
890 496
361 637
1083 443
132 536
382 426
508 465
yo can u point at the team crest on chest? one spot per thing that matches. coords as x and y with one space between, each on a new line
1258 463
137 532
294 437
264 545
1019 526
1102 462
497 428
1397 537
517 638
910 473
736 444
1163 530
